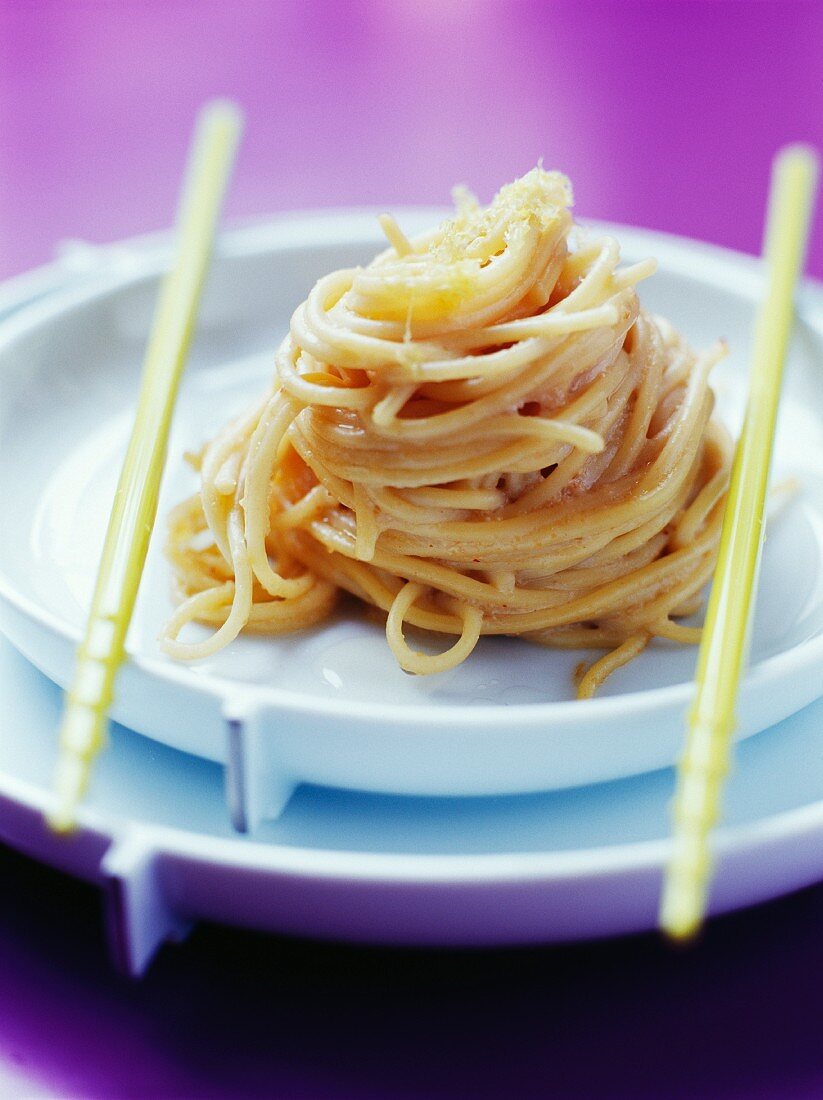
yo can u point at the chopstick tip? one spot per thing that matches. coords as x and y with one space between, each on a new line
682 927
798 162
802 151
222 111
70 784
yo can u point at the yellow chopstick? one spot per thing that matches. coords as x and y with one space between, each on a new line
723 649
83 729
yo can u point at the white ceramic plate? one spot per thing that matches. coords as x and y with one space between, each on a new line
543 868
329 706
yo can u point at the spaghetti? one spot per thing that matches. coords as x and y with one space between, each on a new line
481 432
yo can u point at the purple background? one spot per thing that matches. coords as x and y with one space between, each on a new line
664 114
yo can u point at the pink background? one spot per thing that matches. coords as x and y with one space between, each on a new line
665 115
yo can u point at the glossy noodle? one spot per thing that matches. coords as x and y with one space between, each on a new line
481 432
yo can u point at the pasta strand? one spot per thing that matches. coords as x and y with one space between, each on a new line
481 432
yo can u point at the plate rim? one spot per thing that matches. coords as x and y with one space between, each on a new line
444 868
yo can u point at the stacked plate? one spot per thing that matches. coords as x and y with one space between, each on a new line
305 784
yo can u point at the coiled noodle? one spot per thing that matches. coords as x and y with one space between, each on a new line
481 432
